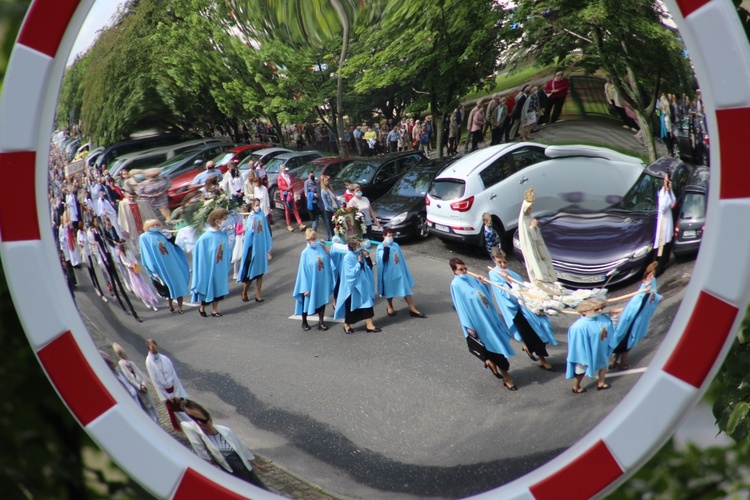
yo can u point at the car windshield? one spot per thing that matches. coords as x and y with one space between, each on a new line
414 184
694 206
641 197
224 158
447 189
315 168
358 172
169 167
246 161
273 166
115 165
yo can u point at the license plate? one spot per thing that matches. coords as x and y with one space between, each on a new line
441 227
280 205
581 279
690 233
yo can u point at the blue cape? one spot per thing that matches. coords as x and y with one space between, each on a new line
394 280
636 317
255 247
167 261
509 306
319 282
211 263
585 346
358 282
480 315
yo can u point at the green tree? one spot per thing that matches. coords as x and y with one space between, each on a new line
440 50
628 40
71 96
310 23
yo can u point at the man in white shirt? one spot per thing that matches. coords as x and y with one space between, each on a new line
167 384
218 444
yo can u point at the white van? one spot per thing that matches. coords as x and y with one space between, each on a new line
494 180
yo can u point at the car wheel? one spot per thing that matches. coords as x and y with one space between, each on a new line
273 196
422 230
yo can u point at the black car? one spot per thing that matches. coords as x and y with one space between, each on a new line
689 224
403 207
589 249
691 140
377 174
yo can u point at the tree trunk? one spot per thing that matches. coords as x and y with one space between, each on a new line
647 133
437 125
343 146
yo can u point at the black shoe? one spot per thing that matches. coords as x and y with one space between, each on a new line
391 313
217 315
203 313
348 330
305 326
373 330
259 300
322 326
417 314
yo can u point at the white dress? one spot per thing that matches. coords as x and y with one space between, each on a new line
538 260
664 222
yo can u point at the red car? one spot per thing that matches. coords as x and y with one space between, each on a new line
180 185
327 165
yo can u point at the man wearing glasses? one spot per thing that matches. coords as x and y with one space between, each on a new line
480 320
218 445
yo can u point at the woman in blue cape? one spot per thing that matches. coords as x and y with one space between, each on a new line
255 249
314 285
479 319
211 263
356 293
534 330
634 319
165 262
588 350
394 278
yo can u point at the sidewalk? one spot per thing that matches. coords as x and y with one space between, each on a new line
276 478
600 131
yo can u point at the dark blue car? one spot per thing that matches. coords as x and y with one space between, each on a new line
589 249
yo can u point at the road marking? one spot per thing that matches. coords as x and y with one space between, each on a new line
632 371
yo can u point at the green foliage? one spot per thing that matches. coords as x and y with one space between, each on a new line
70 102
692 473
11 15
120 94
628 40
732 389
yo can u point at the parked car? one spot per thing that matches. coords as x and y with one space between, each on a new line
691 140
157 156
116 150
292 161
494 180
265 155
180 183
591 248
93 155
377 174
403 208
327 165
691 218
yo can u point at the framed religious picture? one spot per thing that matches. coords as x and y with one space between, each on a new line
348 222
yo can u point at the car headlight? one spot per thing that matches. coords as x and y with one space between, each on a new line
642 252
398 219
516 242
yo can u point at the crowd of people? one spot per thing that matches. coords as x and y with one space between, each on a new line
116 232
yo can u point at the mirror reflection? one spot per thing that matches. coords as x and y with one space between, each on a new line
291 229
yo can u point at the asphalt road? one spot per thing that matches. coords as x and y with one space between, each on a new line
407 412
